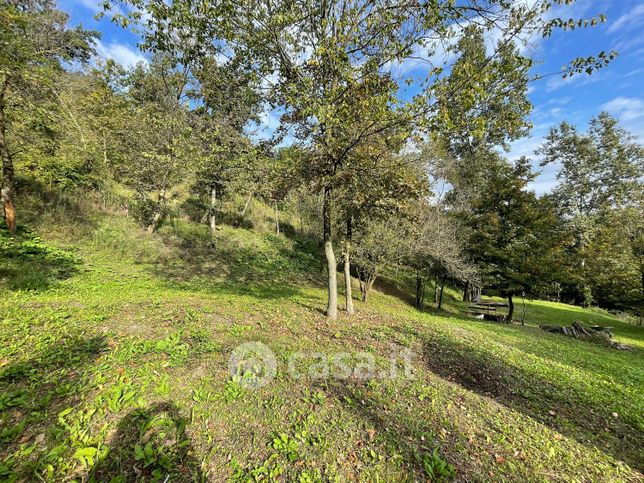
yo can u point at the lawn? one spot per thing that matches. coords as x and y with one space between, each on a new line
114 366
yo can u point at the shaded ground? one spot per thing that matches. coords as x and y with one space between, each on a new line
553 402
27 263
149 444
120 370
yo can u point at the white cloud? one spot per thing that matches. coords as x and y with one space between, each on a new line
542 185
625 108
546 178
630 112
91 4
628 21
121 53
557 82
524 147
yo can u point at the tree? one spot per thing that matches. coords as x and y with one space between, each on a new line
229 100
380 243
163 144
35 43
481 111
320 58
100 104
81 139
374 187
616 261
510 231
600 170
436 248
329 61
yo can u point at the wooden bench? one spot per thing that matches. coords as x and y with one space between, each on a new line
486 311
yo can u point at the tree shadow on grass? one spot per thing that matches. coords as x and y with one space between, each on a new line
597 359
150 444
34 391
401 433
28 263
199 262
395 288
557 405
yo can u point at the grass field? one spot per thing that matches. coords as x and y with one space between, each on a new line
114 366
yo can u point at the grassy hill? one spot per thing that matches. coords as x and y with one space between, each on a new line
114 366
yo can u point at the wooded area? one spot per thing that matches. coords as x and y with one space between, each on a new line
357 161
292 134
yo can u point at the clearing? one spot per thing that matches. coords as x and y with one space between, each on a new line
114 350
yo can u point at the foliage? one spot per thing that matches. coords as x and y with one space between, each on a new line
68 392
600 169
600 177
479 111
35 43
512 231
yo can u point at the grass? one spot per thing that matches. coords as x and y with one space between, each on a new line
114 366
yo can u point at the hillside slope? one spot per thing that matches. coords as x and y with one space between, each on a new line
114 365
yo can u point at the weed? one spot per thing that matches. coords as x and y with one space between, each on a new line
436 468
286 445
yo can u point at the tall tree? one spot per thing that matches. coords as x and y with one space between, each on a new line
163 140
616 261
35 43
437 248
479 111
599 170
509 231
228 100
380 190
317 59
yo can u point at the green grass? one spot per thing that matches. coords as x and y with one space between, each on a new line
114 349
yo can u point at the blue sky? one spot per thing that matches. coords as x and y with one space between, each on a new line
618 89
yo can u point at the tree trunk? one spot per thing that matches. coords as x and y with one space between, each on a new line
347 268
510 308
467 293
213 210
476 292
370 281
367 278
250 196
363 290
436 290
104 152
440 299
8 177
156 220
420 292
277 219
331 263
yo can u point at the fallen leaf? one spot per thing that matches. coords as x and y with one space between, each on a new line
146 437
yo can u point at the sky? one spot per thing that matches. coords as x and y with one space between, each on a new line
618 88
